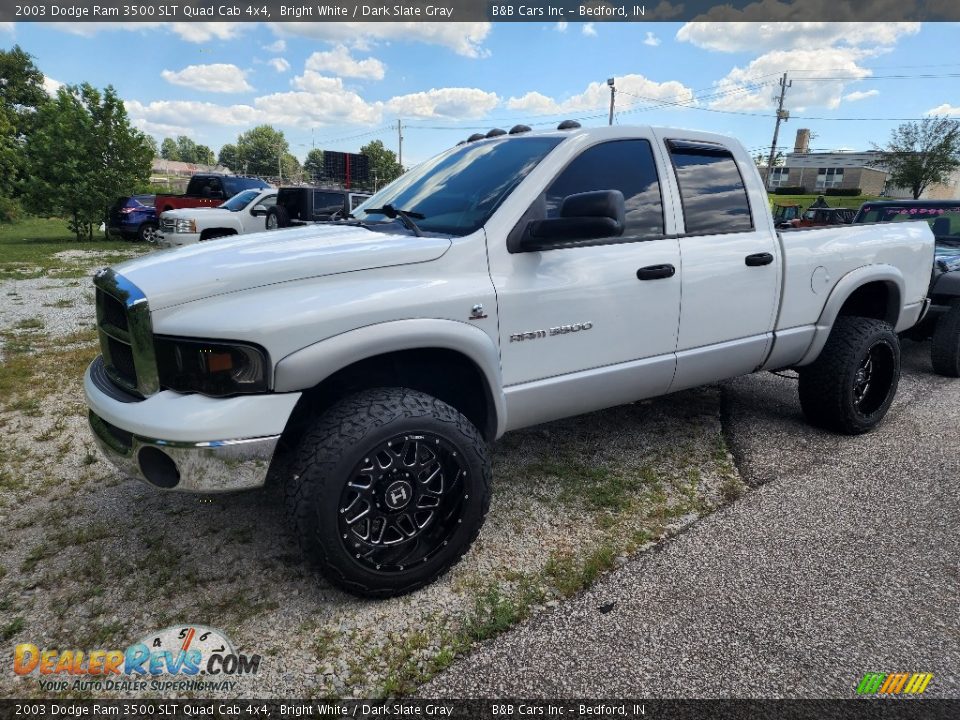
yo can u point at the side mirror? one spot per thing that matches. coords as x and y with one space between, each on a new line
259 211
584 216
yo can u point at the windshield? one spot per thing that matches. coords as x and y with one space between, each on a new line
457 191
239 201
944 220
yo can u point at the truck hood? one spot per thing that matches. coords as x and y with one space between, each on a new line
226 265
189 213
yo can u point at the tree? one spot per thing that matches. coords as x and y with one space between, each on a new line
169 149
152 142
920 154
205 156
82 155
384 167
21 94
261 151
313 164
292 170
229 157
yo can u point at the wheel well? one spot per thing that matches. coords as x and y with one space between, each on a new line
879 300
445 374
217 232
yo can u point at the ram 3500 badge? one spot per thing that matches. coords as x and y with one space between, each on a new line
367 363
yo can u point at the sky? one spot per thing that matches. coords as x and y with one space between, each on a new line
336 86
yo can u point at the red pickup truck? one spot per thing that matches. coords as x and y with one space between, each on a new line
208 190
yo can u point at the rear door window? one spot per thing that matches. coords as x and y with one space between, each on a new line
712 190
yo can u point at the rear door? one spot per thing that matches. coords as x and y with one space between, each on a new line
731 265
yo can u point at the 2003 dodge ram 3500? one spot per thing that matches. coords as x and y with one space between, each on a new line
366 363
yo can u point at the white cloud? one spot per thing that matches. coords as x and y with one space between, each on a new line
184 112
216 77
279 64
278 47
314 82
196 32
339 62
6 27
860 95
651 40
444 103
752 87
634 88
51 86
763 36
589 30
162 129
946 109
561 26
464 38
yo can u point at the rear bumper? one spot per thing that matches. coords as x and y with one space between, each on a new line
188 443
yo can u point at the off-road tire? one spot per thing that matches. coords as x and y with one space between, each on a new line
945 348
828 387
147 232
277 217
326 460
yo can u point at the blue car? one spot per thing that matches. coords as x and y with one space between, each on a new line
133 218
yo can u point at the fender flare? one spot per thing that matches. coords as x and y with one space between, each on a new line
309 366
841 292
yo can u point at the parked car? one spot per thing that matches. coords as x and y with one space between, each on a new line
133 218
942 323
510 281
301 205
244 213
790 216
208 190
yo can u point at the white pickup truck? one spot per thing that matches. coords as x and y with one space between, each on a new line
512 280
244 213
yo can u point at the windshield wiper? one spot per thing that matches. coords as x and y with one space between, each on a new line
406 217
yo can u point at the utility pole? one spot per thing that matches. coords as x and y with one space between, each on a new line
613 92
399 144
782 115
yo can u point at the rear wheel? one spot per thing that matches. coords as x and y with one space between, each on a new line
388 491
277 217
147 232
945 348
850 386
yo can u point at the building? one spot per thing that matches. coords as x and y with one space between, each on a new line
817 172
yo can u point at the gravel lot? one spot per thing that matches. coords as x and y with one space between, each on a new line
91 560
843 561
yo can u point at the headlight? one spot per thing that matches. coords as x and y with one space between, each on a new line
211 367
185 226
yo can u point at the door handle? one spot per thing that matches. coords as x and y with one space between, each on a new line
758 259
656 272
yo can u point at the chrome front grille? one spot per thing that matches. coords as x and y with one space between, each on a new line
167 225
126 334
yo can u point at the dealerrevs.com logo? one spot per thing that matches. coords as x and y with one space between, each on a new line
894 683
178 658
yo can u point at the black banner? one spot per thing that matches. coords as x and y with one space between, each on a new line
407 709
478 10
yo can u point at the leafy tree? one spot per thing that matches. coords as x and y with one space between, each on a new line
384 167
204 156
82 155
152 142
292 170
261 150
920 154
21 94
169 150
313 164
186 149
229 157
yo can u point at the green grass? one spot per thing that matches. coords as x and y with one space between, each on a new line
806 201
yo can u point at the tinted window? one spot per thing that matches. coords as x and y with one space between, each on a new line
711 188
459 190
240 200
327 202
624 165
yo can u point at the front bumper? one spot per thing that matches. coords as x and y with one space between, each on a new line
172 240
165 439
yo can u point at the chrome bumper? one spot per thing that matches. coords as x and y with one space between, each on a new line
204 467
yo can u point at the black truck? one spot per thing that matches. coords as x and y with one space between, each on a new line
941 324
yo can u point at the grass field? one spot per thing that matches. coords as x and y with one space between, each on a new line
28 247
806 201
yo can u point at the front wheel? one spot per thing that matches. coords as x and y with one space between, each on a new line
850 386
945 348
277 217
388 490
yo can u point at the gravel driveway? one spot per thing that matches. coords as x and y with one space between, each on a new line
843 561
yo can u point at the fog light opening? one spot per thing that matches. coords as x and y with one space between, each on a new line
158 468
